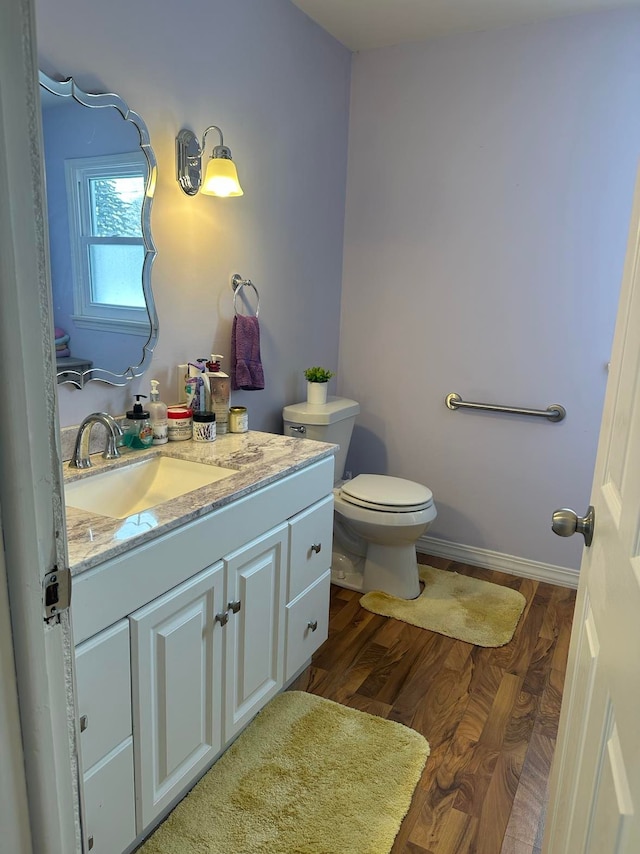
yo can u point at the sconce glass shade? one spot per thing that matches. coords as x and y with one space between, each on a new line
221 178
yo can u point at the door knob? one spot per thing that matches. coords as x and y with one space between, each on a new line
566 522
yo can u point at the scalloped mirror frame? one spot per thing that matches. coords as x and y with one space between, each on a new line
68 88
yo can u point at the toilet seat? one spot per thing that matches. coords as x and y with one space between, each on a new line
388 494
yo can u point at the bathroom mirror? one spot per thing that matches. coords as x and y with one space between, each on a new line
100 177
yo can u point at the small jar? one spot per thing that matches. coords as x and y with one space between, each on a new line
238 419
204 427
180 420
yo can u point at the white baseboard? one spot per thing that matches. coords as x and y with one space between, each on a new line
560 575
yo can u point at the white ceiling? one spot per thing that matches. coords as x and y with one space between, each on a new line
363 24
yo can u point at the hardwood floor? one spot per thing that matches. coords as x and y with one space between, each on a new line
490 715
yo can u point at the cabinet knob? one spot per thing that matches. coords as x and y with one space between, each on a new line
313 625
90 842
316 547
84 722
222 618
234 606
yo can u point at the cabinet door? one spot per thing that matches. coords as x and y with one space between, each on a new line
176 664
256 582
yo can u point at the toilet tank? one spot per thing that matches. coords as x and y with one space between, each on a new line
328 422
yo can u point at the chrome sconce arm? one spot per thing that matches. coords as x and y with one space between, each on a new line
221 176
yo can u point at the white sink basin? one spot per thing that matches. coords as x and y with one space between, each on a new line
120 492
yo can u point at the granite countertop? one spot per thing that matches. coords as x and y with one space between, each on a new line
257 458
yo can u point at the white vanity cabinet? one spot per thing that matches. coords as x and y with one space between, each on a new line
217 617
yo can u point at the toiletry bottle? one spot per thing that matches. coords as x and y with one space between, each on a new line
136 427
158 416
195 386
220 386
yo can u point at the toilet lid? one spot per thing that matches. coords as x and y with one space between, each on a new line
381 492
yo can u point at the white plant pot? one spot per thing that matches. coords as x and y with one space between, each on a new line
317 393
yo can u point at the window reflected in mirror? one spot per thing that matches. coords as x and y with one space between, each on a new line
104 200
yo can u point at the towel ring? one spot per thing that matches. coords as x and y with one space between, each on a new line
238 283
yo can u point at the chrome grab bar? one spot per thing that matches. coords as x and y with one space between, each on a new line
555 412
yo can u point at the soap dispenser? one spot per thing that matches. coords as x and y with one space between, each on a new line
136 427
158 416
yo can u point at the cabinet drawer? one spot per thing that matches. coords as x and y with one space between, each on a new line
109 803
311 539
312 607
103 681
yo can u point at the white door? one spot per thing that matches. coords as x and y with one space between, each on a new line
594 802
256 582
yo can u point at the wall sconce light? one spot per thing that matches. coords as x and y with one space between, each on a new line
221 176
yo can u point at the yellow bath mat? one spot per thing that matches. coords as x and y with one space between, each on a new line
307 776
457 606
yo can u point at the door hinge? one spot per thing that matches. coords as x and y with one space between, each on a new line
57 592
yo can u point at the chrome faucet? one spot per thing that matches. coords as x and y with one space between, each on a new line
80 459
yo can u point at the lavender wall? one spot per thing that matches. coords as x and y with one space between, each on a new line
278 86
489 190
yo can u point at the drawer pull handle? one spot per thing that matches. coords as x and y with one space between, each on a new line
84 722
90 842
313 625
234 606
222 618
316 547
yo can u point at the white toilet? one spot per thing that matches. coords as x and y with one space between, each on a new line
378 519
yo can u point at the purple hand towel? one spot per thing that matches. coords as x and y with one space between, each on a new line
246 367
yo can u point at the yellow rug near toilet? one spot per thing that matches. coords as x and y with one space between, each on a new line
458 606
307 776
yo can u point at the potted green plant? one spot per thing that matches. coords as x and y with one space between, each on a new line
317 379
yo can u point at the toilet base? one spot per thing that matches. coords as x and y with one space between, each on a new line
372 572
393 569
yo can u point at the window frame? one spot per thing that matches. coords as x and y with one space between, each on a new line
78 173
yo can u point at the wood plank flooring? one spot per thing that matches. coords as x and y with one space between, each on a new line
490 715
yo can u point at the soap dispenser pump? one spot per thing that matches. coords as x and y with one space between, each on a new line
136 427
